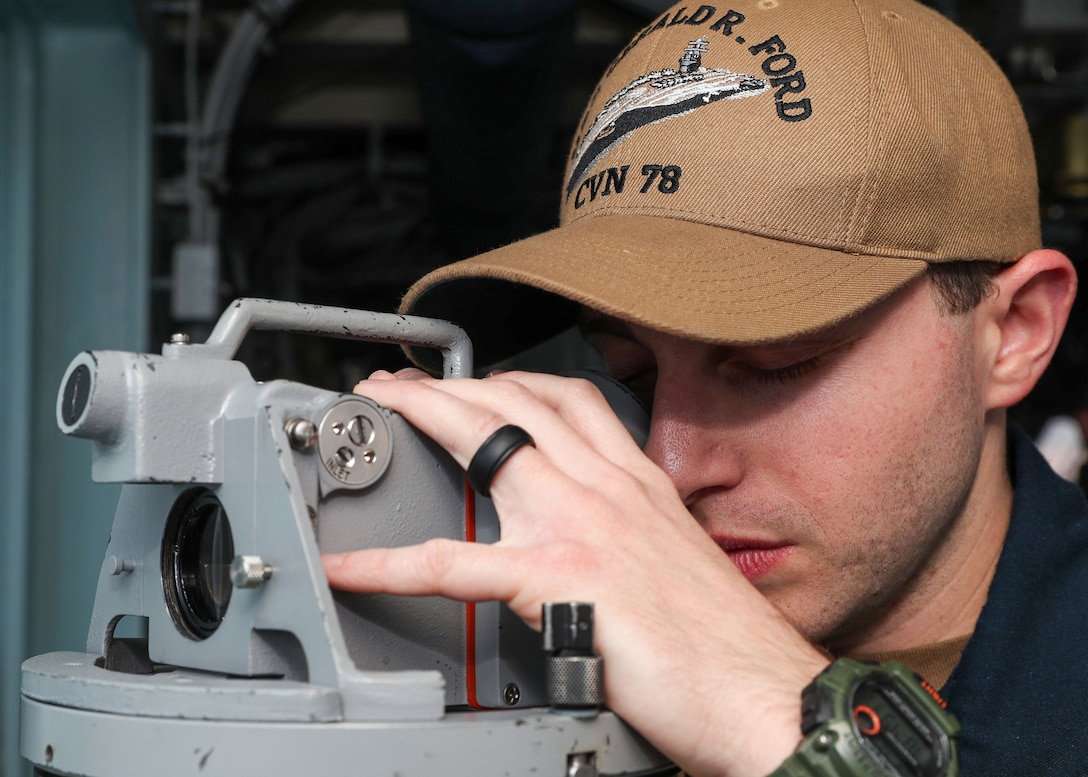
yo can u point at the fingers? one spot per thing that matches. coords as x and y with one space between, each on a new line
567 417
461 415
581 404
584 463
447 416
463 571
439 567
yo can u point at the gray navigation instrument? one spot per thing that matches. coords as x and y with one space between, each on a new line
216 646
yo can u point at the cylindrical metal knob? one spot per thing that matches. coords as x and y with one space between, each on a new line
249 571
575 682
574 673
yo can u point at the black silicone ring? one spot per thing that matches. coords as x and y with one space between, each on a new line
493 454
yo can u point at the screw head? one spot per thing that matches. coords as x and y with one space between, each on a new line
511 694
179 338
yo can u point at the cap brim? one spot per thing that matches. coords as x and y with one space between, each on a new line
694 280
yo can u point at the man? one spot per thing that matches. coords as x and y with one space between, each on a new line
807 234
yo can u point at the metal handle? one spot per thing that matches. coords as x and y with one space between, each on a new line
249 313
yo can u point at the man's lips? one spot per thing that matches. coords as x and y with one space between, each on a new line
753 557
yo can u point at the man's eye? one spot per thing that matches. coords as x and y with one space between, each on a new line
641 384
790 372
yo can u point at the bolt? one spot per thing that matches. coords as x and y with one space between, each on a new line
301 433
249 571
117 565
511 694
179 338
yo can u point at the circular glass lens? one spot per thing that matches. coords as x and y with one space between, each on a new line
197 551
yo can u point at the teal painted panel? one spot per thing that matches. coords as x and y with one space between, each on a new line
75 198
17 88
91 281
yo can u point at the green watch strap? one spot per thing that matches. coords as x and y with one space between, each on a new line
792 767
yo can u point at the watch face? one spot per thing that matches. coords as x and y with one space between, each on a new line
897 731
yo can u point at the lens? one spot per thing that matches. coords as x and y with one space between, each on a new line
77 393
197 550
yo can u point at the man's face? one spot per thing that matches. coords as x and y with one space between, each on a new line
834 469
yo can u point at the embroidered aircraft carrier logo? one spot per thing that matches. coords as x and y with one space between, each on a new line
657 97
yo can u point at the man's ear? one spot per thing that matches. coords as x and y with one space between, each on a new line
1028 316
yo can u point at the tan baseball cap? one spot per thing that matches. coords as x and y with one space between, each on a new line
753 171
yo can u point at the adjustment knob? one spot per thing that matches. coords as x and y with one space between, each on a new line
573 672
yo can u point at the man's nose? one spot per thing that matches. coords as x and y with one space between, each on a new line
691 438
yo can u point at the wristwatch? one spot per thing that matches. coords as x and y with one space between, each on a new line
877 720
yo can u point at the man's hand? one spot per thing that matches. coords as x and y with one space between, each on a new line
696 659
